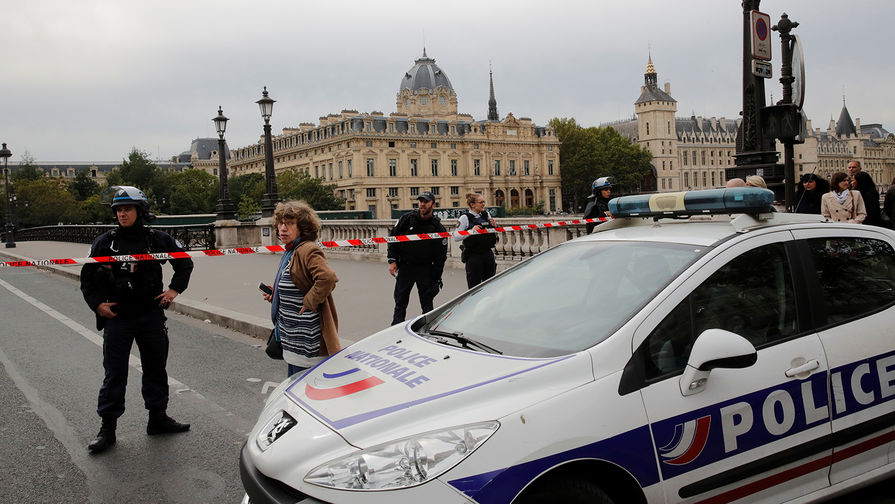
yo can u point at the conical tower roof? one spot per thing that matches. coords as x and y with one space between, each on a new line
845 126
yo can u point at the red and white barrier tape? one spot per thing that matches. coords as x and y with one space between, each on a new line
271 249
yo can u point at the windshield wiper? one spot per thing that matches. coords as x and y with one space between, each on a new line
463 340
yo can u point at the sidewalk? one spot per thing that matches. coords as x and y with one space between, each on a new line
224 290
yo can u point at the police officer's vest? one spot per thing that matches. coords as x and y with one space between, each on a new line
479 243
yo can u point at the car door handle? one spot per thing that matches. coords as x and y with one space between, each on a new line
804 368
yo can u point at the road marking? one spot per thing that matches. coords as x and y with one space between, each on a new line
214 410
269 385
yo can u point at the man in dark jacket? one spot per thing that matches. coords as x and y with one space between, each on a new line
417 262
128 299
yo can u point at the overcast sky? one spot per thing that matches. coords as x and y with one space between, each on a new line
89 80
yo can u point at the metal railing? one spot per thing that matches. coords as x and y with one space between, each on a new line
192 237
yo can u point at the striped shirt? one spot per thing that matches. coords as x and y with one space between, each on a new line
300 335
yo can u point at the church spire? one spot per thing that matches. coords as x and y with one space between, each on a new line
650 78
492 102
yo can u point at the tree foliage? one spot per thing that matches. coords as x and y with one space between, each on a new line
249 185
298 185
83 187
192 192
27 170
45 202
590 153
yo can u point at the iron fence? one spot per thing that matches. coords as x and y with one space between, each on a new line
192 237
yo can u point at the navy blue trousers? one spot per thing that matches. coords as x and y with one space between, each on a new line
148 330
426 287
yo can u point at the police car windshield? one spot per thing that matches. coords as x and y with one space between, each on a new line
566 299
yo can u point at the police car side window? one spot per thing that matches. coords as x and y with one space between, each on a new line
752 296
856 275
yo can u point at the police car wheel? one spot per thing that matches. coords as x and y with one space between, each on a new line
566 490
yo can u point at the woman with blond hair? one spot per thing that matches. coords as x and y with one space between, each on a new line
842 204
302 307
478 249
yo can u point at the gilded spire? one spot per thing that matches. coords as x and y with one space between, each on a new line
650 69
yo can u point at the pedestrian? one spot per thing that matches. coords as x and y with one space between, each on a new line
756 181
862 182
417 262
842 204
598 202
888 212
129 299
735 182
302 308
809 192
478 250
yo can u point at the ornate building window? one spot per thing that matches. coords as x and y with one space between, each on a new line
476 167
454 167
512 167
340 169
371 192
455 190
392 167
370 165
549 167
414 169
435 191
349 168
392 192
434 167
414 191
497 167
525 167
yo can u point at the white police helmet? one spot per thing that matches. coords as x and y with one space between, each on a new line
601 183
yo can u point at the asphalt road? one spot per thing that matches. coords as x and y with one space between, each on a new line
50 360
52 369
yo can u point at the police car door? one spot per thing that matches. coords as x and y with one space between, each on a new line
755 433
853 280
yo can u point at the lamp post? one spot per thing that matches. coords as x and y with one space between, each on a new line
224 208
270 177
10 234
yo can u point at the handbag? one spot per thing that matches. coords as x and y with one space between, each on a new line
274 348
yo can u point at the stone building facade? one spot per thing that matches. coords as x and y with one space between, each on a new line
692 153
380 162
688 152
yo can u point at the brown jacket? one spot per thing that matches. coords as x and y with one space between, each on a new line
312 275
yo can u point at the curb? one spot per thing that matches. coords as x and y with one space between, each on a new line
246 324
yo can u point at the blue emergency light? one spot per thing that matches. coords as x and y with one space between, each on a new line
748 200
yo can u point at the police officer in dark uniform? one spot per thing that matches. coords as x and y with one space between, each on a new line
478 250
420 262
128 299
598 202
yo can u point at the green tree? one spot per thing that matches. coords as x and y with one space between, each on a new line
45 202
193 191
249 185
138 170
94 211
589 153
27 170
247 207
294 185
82 187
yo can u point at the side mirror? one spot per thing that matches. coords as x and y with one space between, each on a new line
715 348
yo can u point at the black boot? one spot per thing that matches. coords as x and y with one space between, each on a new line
161 423
106 437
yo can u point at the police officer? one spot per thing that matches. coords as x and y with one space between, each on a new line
128 299
420 262
478 250
598 202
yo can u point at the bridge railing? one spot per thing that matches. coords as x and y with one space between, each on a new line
193 237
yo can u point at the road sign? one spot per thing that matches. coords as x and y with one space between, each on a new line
761 35
762 68
798 72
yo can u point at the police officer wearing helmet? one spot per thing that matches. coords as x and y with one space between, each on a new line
128 299
598 202
417 262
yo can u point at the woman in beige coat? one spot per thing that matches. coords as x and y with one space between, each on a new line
302 310
842 204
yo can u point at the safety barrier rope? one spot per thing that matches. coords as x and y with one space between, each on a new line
272 249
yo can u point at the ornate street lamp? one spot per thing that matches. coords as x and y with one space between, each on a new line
10 234
224 208
270 177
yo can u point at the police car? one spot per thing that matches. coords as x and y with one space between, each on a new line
698 348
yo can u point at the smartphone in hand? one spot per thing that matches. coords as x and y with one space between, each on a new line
265 288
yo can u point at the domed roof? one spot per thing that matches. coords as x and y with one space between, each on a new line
424 74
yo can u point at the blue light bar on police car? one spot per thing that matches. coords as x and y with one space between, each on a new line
750 200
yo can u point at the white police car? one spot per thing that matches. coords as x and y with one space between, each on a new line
746 358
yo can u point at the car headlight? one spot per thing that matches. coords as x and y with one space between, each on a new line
405 462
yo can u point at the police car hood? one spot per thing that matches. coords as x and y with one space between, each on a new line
397 383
